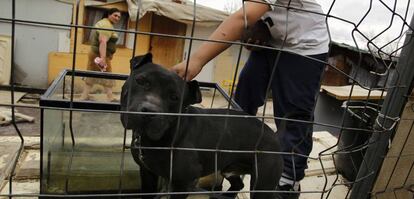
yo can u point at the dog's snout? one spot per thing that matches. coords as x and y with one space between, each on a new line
151 104
147 109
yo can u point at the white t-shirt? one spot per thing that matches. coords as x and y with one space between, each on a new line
305 32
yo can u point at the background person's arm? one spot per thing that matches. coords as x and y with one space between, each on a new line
102 48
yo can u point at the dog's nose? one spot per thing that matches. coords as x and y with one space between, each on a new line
148 108
145 109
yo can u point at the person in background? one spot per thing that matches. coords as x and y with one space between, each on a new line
296 79
103 47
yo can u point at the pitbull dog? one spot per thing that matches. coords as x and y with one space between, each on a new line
153 91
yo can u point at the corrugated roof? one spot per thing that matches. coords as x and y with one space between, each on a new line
363 51
205 16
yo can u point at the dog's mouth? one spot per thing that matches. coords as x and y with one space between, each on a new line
154 127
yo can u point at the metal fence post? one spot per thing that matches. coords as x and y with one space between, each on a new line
392 108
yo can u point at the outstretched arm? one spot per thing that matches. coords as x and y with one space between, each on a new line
230 30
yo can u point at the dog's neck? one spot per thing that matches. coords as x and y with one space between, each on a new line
165 140
170 135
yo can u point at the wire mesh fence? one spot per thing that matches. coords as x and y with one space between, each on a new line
364 102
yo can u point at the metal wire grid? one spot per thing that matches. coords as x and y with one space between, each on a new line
385 123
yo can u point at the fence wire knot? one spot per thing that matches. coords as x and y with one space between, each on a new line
381 125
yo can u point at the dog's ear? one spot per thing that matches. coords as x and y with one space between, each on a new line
140 60
194 93
123 107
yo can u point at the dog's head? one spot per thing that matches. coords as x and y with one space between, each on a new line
150 88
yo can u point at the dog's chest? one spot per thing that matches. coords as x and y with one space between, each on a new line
157 161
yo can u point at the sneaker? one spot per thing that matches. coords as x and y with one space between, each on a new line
289 192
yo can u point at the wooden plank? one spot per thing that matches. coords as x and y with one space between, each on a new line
394 170
143 42
403 194
384 175
410 180
401 172
400 166
167 51
30 166
29 142
5 56
408 113
23 187
409 145
386 195
397 194
358 93
403 131
8 153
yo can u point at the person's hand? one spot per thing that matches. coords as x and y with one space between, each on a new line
258 34
101 63
192 71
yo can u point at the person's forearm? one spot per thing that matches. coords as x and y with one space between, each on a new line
230 30
102 50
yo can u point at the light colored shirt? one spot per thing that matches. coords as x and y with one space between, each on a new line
105 23
110 35
304 30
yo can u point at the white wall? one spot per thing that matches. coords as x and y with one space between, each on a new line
207 74
33 43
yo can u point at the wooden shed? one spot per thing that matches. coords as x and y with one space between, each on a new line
349 63
155 16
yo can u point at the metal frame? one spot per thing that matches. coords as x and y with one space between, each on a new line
46 100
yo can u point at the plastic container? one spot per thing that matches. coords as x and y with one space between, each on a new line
352 143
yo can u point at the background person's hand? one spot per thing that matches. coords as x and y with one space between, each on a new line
192 71
257 34
101 63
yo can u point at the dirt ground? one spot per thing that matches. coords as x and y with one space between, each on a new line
83 122
25 128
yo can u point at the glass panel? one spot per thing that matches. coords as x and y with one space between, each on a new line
95 158
97 93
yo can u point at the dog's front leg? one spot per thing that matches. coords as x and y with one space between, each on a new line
186 171
183 188
236 185
269 170
149 183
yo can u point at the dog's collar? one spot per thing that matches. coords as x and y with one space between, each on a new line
136 142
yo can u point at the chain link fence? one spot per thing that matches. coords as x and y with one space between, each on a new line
364 102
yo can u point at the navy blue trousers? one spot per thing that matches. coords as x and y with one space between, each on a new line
294 87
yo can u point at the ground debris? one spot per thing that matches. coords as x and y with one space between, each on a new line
6 117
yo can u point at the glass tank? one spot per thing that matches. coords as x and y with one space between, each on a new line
84 147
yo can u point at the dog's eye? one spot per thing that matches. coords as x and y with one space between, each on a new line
174 97
143 82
